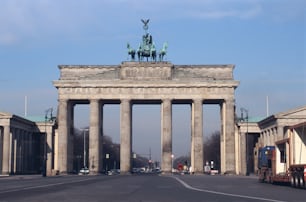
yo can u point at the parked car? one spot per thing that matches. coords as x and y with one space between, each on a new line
113 172
84 171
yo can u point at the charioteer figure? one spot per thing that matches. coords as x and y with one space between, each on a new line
147 48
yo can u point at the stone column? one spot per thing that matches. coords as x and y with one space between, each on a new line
94 138
280 132
70 127
243 153
6 150
101 152
49 149
222 137
55 151
228 160
1 146
197 137
166 139
263 142
273 136
15 152
125 136
265 138
62 136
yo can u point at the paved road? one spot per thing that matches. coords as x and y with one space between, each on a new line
144 188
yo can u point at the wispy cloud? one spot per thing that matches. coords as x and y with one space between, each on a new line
226 13
22 19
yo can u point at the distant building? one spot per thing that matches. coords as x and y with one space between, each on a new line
260 132
22 148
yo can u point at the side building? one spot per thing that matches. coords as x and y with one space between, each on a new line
275 130
26 144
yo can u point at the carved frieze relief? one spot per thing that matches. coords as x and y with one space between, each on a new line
141 73
86 91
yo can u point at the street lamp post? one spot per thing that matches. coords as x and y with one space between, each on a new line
247 134
106 162
44 166
172 157
84 147
134 161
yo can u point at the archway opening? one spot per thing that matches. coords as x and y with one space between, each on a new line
146 135
111 137
181 135
211 138
80 136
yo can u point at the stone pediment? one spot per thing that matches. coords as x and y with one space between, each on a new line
290 117
295 113
5 115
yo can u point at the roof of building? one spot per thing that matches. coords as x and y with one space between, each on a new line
297 113
35 118
254 119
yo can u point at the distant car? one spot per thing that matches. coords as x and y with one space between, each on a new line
156 170
113 172
84 171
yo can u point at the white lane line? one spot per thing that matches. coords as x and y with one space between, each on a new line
224 194
43 186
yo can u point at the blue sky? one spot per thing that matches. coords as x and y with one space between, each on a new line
266 40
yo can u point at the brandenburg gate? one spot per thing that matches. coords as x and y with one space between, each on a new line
142 82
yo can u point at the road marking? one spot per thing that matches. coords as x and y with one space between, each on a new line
43 186
223 193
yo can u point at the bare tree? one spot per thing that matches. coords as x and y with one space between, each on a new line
110 153
212 149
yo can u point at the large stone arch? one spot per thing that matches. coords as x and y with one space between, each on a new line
142 82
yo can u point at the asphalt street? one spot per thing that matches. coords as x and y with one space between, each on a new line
144 188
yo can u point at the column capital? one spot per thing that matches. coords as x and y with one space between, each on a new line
167 100
125 100
197 100
63 100
229 101
94 100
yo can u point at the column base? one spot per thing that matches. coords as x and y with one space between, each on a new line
62 173
94 173
166 173
197 173
125 173
229 172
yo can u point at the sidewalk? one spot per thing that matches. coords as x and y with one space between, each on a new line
20 176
